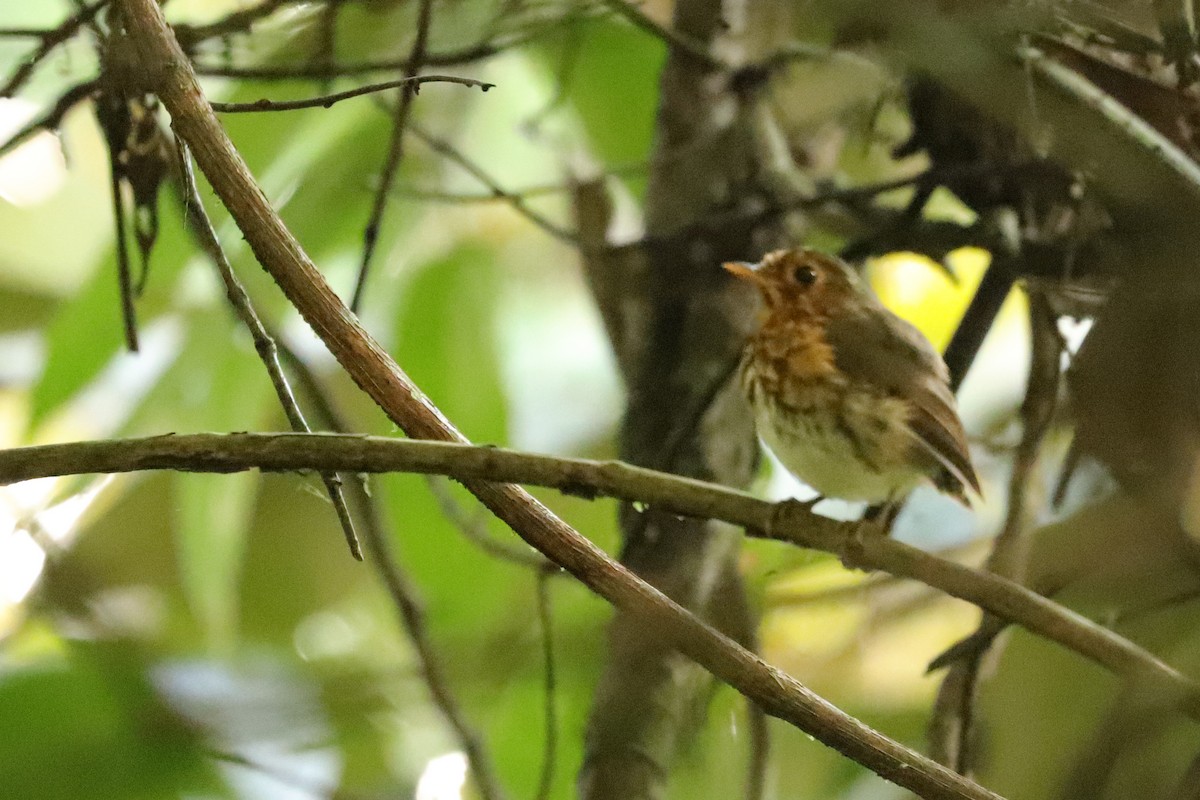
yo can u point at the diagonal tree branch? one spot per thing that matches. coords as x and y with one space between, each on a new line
405 596
167 71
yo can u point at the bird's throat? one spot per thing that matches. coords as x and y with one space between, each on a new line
791 347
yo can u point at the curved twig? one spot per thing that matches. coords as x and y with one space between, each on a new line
327 100
395 150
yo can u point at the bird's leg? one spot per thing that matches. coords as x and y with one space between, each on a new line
877 520
883 515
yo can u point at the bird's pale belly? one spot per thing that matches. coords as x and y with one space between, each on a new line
858 447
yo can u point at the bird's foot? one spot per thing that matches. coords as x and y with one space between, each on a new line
787 508
876 521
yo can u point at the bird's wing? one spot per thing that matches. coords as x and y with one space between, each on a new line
881 349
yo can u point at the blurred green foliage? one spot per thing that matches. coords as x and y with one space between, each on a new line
209 636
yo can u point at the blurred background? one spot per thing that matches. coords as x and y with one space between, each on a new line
208 636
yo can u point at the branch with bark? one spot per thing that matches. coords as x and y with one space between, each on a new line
658 492
168 72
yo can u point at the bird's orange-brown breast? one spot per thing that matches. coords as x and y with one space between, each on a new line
790 361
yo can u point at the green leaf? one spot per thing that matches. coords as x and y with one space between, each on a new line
217 383
93 729
616 67
211 522
87 330
446 340
84 336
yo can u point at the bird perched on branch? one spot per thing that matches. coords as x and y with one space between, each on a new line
852 399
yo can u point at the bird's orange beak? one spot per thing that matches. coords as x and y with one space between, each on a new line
743 270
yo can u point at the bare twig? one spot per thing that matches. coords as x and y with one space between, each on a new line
25 33
167 69
53 117
671 494
51 40
760 752
852 592
327 71
1135 128
264 344
953 726
412 616
982 311
517 201
673 38
475 530
468 198
316 71
327 34
325 101
124 273
235 22
403 592
395 151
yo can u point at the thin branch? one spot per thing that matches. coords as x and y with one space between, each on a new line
124 273
787 522
891 231
516 201
981 312
412 616
1127 122
53 117
325 101
327 71
264 344
475 529
849 593
317 71
953 727
673 38
51 40
760 752
235 22
395 151
550 690
169 72
25 33
468 198
326 48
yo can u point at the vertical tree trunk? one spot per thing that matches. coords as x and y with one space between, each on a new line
678 324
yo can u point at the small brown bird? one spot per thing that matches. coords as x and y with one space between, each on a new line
852 399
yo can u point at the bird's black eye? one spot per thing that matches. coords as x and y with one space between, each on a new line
804 276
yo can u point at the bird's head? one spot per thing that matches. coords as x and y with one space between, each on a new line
801 281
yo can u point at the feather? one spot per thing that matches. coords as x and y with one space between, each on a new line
874 346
